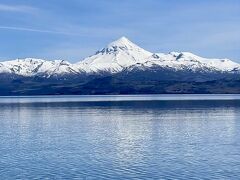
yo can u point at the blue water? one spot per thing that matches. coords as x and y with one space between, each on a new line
120 137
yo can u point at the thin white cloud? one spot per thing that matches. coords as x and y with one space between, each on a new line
77 31
36 30
17 8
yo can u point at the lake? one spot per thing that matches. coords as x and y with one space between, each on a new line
120 137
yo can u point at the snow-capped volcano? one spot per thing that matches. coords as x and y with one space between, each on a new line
115 57
124 54
118 56
121 67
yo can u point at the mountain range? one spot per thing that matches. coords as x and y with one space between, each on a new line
121 67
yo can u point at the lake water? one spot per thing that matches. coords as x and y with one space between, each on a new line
120 137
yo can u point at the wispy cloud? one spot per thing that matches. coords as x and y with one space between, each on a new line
17 8
37 30
71 31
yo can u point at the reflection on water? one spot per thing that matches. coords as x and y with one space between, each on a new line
112 139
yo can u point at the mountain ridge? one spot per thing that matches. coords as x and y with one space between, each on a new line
121 67
115 57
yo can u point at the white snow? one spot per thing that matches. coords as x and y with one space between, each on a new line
115 57
31 67
191 61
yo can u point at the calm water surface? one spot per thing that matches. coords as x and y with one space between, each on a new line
120 137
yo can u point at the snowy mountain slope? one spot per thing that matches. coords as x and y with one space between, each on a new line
115 57
118 56
31 67
188 61
123 54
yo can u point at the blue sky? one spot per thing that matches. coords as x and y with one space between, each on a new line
74 29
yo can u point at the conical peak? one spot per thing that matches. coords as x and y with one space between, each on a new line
122 45
122 42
